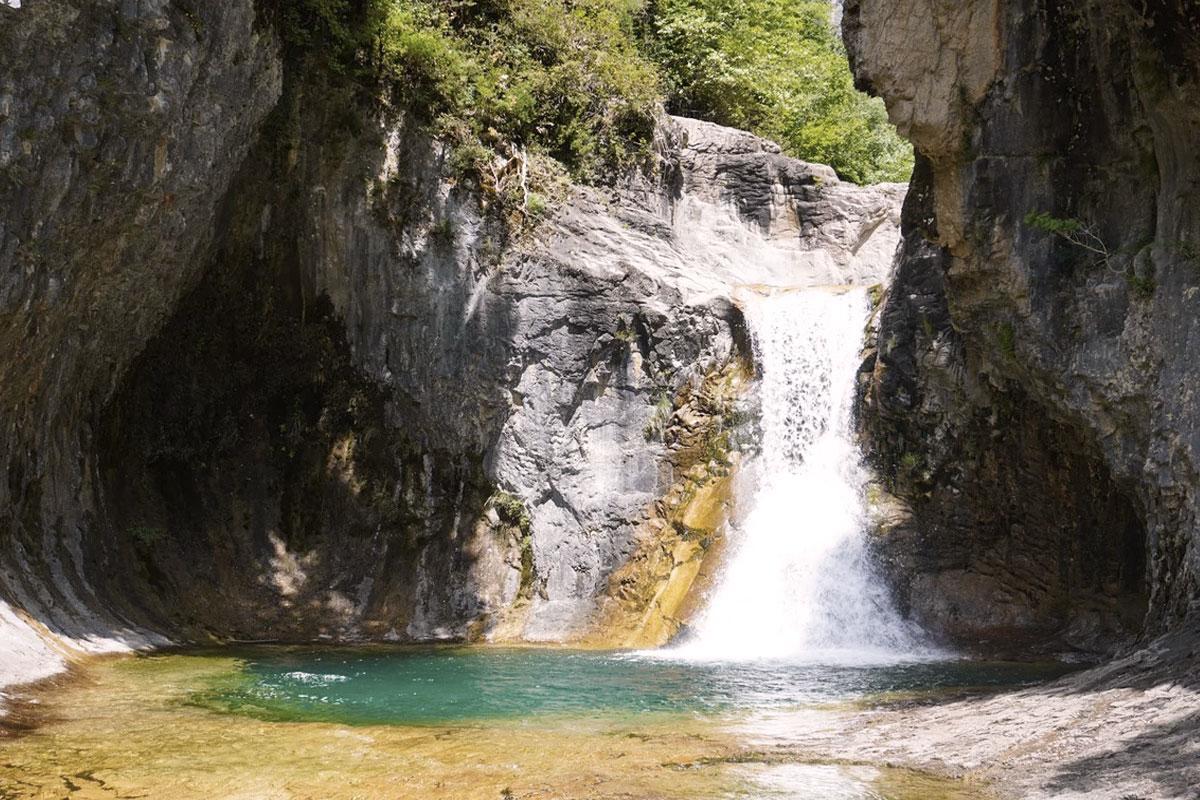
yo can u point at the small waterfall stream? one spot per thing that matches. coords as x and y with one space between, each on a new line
798 584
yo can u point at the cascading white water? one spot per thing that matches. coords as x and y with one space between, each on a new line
798 583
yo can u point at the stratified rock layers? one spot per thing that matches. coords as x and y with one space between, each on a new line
1033 400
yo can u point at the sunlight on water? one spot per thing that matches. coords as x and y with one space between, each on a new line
447 684
798 584
463 723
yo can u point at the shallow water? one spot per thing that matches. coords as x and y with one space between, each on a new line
453 723
446 685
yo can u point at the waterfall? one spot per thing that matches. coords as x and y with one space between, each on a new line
798 582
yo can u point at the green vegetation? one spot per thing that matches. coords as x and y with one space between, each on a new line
660 418
1072 230
777 68
513 513
1188 251
525 85
145 536
875 294
506 78
512 510
443 234
1007 337
1143 286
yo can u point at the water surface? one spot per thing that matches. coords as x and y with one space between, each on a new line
457 684
461 723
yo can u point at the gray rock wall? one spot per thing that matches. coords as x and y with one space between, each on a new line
522 370
1032 402
272 371
121 126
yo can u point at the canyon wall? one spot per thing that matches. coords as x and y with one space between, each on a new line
121 128
1032 406
274 368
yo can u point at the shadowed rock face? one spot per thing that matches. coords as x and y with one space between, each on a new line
271 371
121 127
1033 398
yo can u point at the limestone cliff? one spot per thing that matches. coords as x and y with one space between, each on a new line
1033 398
274 369
121 127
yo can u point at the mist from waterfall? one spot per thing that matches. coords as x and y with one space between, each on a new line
798 583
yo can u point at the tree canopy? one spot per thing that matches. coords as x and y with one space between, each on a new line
578 81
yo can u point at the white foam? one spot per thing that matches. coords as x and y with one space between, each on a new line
798 585
312 678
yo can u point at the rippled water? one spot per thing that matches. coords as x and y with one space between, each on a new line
438 685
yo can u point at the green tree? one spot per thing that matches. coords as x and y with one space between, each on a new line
779 69
578 81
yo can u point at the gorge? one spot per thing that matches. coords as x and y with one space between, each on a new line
283 362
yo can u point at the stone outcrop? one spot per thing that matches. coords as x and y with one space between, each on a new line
1032 401
273 370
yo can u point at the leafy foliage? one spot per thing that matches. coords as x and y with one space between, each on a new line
578 81
564 80
1075 231
777 68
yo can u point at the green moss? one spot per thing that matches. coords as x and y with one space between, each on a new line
145 536
875 294
660 418
444 234
1142 286
1188 251
537 206
717 446
512 512
1007 338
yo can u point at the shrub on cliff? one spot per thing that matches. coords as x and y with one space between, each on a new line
777 68
542 76
579 81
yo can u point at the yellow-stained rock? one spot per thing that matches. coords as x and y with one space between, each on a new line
685 551
651 597
706 511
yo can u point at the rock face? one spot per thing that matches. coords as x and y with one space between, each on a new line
1032 403
271 370
121 125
